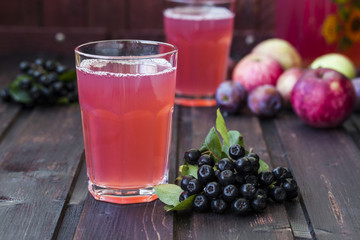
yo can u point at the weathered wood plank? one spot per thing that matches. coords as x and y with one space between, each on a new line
74 206
39 157
8 112
299 223
271 224
326 166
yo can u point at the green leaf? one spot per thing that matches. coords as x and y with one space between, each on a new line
62 100
168 193
181 206
221 128
263 166
235 137
188 170
212 144
19 95
68 76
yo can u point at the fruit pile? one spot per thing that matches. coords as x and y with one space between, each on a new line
235 182
220 176
271 78
42 82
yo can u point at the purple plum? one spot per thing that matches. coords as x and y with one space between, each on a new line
265 101
356 84
231 97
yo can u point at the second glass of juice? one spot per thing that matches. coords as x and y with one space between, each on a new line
202 31
126 93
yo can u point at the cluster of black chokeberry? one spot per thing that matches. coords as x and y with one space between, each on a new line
40 84
235 183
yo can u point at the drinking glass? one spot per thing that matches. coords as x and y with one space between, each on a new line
126 93
202 30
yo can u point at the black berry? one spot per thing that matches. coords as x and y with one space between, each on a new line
266 178
5 94
218 206
206 159
191 156
254 155
240 206
226 164
185 181
226 177
290 185
193 186
205 174
39 62
236 151
243 165
212 190
255 164
24 66
50 65
261 193
258 204
280 173
248 191
278 194
184 195
201 203
250 178
25 83
230 193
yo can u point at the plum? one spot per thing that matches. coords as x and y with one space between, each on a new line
356 84
231 97
265 101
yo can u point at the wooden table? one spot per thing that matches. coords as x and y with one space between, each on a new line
43 183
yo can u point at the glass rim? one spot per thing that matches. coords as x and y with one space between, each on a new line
174 49
202 1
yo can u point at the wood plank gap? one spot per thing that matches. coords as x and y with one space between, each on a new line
270 131
11 123
68 197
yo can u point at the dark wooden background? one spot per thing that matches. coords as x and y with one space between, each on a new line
36 26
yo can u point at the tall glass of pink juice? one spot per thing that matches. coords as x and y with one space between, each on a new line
126 93
202 31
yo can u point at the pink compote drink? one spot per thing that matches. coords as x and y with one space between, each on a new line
203 36
127 123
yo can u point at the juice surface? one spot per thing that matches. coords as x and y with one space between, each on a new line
203 36
126 120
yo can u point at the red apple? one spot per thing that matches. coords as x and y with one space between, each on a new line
286 82
323 97
255 70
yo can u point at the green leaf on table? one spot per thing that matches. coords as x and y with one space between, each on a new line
20 95
168 193
263 166
234 137
188 169
221 127
212 144
182 205
68 76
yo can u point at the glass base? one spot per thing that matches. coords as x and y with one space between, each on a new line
195 101
121 196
